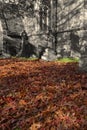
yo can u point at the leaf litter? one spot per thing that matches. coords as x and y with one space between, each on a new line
39 95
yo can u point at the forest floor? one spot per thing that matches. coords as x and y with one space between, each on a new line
40 95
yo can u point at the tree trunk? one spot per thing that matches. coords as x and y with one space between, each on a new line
6 24
1 38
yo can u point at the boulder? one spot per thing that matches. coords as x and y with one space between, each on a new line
83 60
5 55
83 63
49 55
75 54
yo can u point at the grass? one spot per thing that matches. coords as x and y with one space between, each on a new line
60 60
64 60
68 60
24 58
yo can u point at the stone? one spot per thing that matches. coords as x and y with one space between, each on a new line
33 56
59 56
49 55
5 55
83 60
75 54
83 63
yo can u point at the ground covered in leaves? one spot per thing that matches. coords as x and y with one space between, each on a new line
39 95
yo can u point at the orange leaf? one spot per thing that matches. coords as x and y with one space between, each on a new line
22 102
35 126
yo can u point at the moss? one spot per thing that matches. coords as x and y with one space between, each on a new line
68 60
24 58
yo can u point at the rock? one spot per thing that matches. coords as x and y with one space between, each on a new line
5 55
33 56
49 55
83 63
75 54
83 60
59 56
